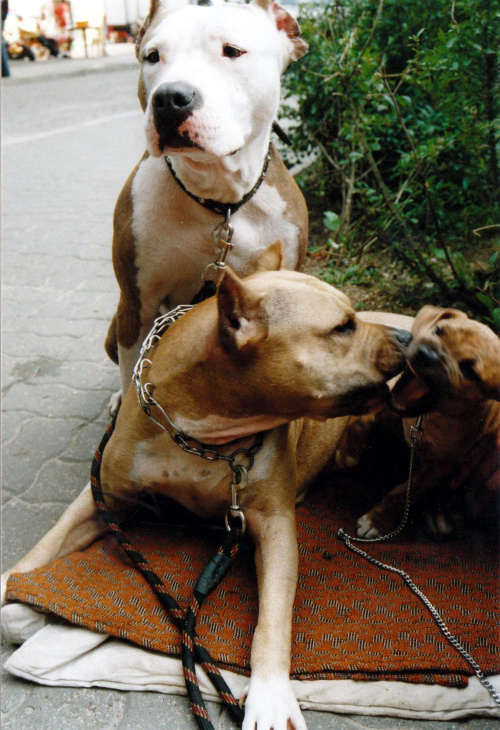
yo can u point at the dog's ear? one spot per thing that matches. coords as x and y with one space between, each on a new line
272 259
287 24
242 321
430 315
484 367
154 7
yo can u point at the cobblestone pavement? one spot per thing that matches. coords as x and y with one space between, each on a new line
70 140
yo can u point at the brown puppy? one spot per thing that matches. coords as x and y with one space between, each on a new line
280 353
453 376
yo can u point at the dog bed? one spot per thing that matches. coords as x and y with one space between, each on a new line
358 631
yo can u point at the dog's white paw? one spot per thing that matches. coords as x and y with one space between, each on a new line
366 528
271 703
115 403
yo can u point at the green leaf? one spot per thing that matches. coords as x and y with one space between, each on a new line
331 221
486 300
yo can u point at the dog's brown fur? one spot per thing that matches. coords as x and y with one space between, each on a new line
281 353
457 384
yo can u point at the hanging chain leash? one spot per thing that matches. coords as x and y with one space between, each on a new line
416 433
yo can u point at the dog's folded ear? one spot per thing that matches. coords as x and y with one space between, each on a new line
272 259
242 319
431 315
484 367
154 6
287 24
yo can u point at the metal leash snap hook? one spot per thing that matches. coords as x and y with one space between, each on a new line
239 482
416 431
226 228
235 514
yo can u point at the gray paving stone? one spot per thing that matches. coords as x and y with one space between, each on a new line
59 481
39 439
55 401
84 443
34 345
6 495
62 708
23 525
11 425
15 691
394 723
53 326
143 711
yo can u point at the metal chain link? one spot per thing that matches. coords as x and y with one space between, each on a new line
433 611
416 432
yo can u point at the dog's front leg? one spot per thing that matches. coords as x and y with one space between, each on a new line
270 701
77 527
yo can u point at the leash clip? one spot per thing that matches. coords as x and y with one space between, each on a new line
239 482
223 235
416 431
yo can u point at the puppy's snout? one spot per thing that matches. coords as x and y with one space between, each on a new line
402 336
425 356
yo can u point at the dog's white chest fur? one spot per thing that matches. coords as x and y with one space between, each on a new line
174 234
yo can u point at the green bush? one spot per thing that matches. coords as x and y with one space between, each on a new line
400 101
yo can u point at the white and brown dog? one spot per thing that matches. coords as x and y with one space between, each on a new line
210 89
280 353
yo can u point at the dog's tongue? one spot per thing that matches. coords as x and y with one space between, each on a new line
408 390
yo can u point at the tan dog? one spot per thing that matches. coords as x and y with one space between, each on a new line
209 87
454 378
281 353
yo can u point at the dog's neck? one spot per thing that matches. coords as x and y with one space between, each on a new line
225 179
202 389
470 411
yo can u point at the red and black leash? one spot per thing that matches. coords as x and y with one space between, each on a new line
211 576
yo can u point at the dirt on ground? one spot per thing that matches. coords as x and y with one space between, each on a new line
374 279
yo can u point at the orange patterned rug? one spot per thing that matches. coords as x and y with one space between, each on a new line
351 620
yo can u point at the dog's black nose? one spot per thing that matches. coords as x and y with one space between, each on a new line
172 105
177 99
401 335
425 356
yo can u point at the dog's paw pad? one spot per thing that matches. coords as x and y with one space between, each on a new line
366 528
115 403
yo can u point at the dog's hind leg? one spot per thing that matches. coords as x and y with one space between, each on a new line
77 527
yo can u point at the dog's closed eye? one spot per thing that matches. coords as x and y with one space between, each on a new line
348 326
467 369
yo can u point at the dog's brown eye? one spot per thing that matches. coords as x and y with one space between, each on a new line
231 51
152 57
467 369
348 326
438 331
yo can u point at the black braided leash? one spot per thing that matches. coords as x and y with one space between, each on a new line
211 576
